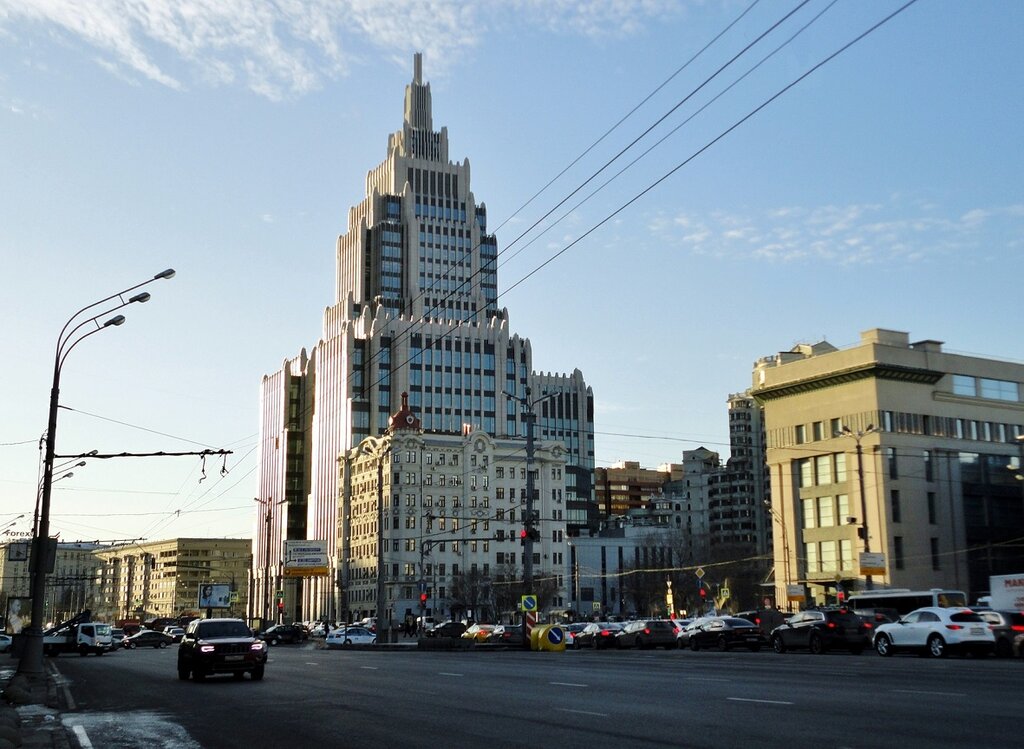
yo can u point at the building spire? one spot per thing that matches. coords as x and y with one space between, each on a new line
417 99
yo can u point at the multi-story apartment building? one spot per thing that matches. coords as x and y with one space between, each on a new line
163 578
441 515
70 588
626 486
415 310
895 448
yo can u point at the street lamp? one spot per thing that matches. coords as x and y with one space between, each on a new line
857 437
270 505
31 663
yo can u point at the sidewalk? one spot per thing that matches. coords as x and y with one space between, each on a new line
30 709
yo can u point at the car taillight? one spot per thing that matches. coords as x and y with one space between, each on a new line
1017 627
831 625
647 630
868 625
605 633
206 648
954 626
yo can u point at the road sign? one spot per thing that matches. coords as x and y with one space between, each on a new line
597 605
795 592
279 595
872 563
423 586
724 593
528 603
700 572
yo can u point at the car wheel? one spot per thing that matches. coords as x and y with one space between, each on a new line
936 646
83 651
183 673
694 645
198 675
778 645
162 645
723 644
100 652
347 642
593 643
815 645
257 673
639 644
1003 648
883 645
275 641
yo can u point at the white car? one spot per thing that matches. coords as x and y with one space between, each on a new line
343 637
936 631
5 643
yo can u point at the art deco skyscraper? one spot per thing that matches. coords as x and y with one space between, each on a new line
415 310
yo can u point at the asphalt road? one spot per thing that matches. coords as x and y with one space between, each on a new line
320 698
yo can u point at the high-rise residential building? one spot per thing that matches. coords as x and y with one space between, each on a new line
415 310
894 448
625 486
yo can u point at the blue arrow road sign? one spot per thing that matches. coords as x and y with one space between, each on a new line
555 635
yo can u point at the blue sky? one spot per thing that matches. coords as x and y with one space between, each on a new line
227 140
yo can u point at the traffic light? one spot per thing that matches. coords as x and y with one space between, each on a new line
280 607
534 534
841 595
703 593
522 537
423 600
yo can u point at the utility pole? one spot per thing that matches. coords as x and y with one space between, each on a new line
270 504
858 436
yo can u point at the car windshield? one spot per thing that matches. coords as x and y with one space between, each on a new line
213 630
736 622
102 629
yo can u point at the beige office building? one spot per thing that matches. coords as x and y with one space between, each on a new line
162 578
936 489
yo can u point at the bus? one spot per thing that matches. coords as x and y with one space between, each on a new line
904 601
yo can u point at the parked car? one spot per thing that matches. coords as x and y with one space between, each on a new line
5 643
343 637
447 629
571 630
507 634
936 631
117 636
821 630
724 633
478 632
1005 625
290 633
216 646
647 633
598 635
148 638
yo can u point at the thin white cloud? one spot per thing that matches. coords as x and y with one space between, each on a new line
287 48
900 229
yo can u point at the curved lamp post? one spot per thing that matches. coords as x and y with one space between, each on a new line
31 663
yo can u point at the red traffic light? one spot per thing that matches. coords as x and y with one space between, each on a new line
703 593
423 598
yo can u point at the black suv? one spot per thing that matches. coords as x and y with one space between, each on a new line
220 646
284 633
819 630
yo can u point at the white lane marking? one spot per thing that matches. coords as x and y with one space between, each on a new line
763 702
581 712
82 736
312 663
940 694
368 668
447 673
64 685
705 678
567 684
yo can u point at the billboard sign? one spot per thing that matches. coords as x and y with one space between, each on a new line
872 563
213 596
306 559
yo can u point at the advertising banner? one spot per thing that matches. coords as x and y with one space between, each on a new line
213 596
